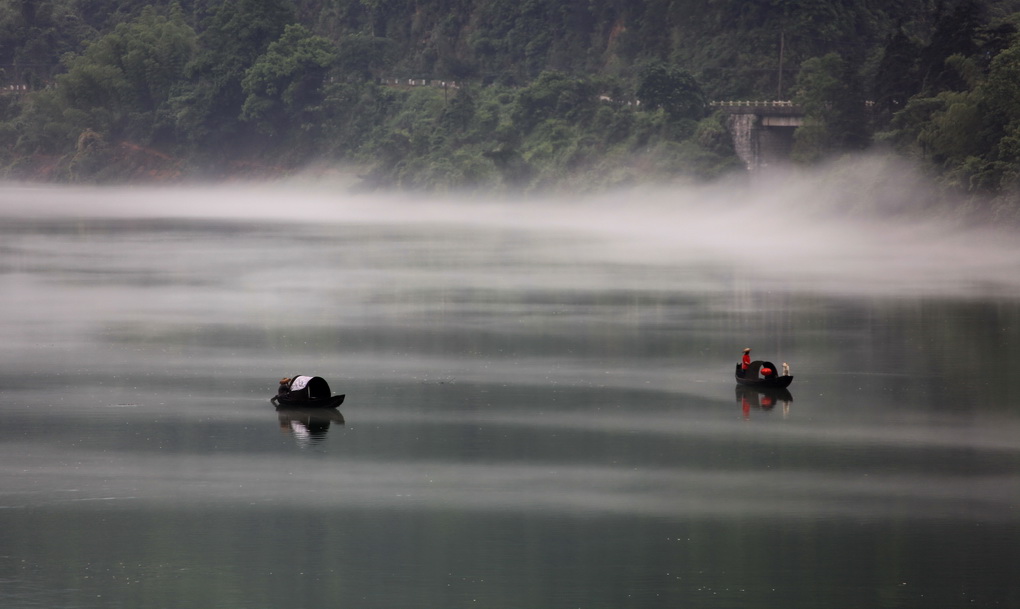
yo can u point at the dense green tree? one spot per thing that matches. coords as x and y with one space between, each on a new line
896 78
956 33
954 131
34 35
234 36
964 123
362 57
459 113
999 96
117 87
969 136
830 91
848 116
1001 89
554 95
284 86
672 89
241 30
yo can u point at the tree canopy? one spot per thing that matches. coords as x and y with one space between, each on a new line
498 94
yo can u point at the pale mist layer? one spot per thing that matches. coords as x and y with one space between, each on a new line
862 227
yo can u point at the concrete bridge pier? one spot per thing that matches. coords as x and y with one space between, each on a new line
762 132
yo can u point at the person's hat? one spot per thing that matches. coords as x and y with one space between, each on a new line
748 350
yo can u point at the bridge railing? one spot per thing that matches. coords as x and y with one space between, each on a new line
418 82
751 104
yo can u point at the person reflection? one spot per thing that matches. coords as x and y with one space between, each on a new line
308 426
751 398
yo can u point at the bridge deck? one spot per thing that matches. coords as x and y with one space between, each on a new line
759 108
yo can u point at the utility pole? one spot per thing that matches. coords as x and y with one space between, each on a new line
782 47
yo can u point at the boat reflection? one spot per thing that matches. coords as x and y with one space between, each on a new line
763 398
308 425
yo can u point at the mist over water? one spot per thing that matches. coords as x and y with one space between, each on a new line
540 404
868 228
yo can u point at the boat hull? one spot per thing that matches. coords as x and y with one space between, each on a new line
779 382
283 401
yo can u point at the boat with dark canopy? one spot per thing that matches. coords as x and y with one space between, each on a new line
753 376
306 392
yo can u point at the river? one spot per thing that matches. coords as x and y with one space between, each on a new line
540 408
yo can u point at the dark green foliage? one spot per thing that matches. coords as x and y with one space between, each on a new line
554 95
116 88
360 56
837 117
896 79
956 33
538 92
241 30
671 89
554 133
848 115
284 85
964 121
34 35
233 37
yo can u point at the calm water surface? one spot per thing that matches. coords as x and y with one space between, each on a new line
540 410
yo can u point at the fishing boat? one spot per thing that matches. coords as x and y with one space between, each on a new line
306 392
753 377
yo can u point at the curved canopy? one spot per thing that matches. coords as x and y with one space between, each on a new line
311 387
755 368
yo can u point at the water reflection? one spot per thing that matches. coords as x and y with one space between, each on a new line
549 405
308 425
763 398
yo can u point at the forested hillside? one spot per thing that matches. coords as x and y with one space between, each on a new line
521 94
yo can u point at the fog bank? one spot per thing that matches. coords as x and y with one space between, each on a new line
865 226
